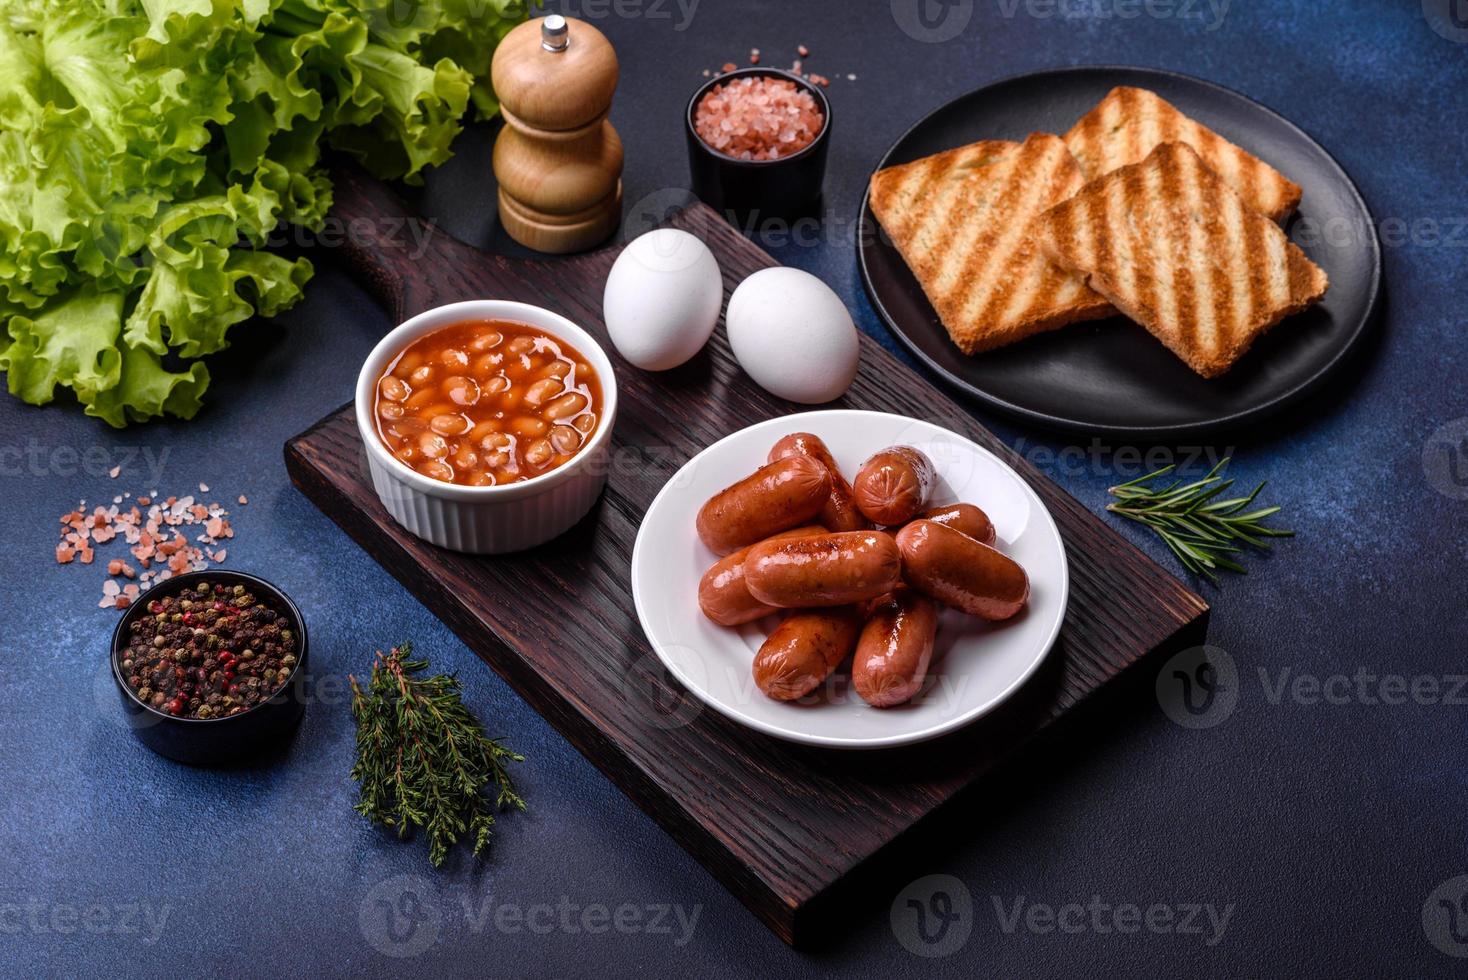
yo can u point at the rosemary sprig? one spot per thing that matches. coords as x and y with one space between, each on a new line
1200 529
423 760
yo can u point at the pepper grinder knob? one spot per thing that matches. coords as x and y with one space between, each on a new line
553 33
557 159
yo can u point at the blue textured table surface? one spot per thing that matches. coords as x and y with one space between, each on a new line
1316 828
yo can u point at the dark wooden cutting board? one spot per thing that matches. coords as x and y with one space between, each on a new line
781 825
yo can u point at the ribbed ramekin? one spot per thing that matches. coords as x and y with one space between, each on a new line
498 519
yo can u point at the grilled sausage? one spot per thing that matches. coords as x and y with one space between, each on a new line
893 485
840 512
722 593
774 498
826 570
963 517
895 648
804 650
958 571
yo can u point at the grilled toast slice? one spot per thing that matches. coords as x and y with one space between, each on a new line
963 219
1171 244
1131 122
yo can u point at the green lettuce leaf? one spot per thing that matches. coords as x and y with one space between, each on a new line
72 343
146 390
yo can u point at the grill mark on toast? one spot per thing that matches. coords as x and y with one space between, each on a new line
1302 273
1108 213
1130 142
1068 288
1253 186
1159 247
1102 151
1214 307
1060 235
913 180
1114 133
909 183
954 280
1256 272
1211 273
939 187
1233 253
1276 263
975 215
1014 199
1193 297
1035 277
1124 205
993 280
1236 171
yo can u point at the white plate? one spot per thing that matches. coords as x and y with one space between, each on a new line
976 665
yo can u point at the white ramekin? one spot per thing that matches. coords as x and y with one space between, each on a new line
487 520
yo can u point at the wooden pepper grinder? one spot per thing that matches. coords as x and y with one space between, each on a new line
558 160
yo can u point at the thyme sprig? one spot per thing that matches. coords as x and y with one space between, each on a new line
1201 530
423 760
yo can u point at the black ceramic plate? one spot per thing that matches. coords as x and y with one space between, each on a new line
1112 376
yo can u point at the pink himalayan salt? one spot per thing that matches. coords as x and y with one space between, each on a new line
758 118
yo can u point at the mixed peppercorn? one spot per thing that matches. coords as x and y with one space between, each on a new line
209 652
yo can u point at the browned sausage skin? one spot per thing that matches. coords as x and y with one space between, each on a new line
895 648
840 512
804 650
963 517
826 570
893 485
958 571
723 594
774 498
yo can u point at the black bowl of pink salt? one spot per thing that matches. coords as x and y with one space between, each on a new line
211 666
757 141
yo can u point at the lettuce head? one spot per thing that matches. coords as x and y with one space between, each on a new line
149 148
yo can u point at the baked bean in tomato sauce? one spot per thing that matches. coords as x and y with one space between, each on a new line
487 402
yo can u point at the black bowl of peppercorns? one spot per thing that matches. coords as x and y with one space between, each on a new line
211 666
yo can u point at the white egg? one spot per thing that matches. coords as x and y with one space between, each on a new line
792 334
662 299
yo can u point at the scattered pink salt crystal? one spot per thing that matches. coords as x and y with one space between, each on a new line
152 539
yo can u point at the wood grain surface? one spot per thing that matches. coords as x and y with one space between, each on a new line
781 825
